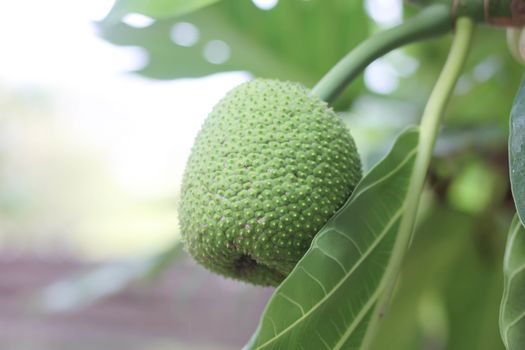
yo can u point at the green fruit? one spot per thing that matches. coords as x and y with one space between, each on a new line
271 164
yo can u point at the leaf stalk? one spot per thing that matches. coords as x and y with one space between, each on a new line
430 22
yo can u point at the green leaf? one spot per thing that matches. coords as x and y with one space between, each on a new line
449 292
328 299
297 40
512 313
156 8
439 244
517 151
473 288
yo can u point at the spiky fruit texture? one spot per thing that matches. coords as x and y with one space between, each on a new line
270 165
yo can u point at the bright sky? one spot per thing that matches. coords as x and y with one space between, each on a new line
144 127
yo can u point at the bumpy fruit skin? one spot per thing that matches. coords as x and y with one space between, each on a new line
270 165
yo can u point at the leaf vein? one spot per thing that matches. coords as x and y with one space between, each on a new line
273 325
323 341
512 324
293 302
399 166
336 327
513 236
506 289
331 257
357 319
314 278
516 272
351 240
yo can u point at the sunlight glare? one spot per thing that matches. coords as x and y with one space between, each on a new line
386 13
265 4
380 77
137 20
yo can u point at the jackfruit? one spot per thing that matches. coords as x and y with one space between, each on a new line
269 167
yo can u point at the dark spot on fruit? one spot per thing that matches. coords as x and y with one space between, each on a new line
245 263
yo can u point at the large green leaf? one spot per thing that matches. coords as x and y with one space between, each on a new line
297 40
517 151
156 8
512 314
329 298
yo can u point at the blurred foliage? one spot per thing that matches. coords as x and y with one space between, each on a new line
300 40
157 8
449 291
296 40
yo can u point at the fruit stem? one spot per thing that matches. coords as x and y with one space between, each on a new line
441 93
429 129
430 22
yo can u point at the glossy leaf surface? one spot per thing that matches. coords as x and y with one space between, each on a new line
517 151
296 40
512 315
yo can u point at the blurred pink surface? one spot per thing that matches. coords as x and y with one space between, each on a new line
187 306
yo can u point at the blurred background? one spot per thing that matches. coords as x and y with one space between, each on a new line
99 105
